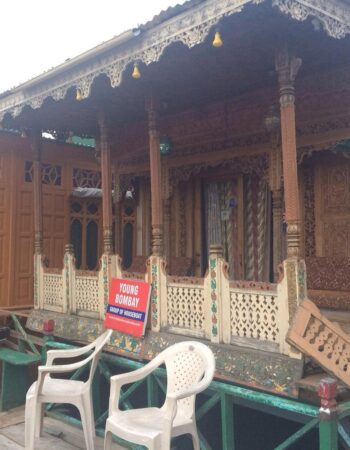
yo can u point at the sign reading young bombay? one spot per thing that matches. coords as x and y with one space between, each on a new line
128 306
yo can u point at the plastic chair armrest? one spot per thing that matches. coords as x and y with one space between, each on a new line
117 381
71 353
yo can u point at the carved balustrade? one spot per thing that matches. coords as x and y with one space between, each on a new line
251 314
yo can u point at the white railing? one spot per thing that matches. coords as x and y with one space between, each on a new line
185 306
86 291
53 290
248 314
254 317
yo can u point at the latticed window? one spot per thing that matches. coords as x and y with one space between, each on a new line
86 178
50 174
85 231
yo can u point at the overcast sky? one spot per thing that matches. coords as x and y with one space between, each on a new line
37 35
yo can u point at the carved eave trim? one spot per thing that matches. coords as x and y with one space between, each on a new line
334 16
257 165
307 151
191 28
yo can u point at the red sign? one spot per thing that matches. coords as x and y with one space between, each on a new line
128 306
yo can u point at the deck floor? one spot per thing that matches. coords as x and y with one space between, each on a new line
57 435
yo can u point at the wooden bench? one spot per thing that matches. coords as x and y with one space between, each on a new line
15 376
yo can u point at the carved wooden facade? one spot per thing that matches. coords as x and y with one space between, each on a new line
227 182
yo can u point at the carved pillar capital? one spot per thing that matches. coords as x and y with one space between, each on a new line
287 67
293 239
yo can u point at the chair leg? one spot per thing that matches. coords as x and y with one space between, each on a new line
108 440
89 410
195 440
30 423
86 423
39 419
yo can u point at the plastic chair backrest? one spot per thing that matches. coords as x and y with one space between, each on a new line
98 346
187 363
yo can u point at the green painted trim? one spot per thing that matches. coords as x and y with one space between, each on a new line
328 432
208 405
227 423
297 435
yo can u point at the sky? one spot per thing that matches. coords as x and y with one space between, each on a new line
37 35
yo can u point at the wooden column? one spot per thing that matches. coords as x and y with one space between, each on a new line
156 181
106 174
275 181
36 145
287 67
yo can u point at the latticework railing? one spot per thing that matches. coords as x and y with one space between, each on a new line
213 307
254 316
186 307
86 292
53 291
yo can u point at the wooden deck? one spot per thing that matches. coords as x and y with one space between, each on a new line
57 435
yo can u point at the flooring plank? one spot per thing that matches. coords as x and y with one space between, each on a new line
8 444
12 417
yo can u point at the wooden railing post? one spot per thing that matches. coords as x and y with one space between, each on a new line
217 295
68 273
291 291
158 304
104 281
38 281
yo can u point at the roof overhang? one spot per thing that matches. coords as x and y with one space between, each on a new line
190 26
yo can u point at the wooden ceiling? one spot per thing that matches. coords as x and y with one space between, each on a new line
184 78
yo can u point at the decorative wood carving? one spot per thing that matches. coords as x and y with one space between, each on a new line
156 177
191 28
328 280
245 165
287 67
331 14
322 340
309 214
36 144
106 173
328 273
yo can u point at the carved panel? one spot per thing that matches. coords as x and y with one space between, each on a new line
53 290
185 308
322 340
254 315
86 293
336 187
328 273
309 214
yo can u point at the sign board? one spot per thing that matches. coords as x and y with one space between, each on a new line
128 306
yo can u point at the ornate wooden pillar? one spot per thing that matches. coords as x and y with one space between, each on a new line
36 145
156 182
287 67
106 174
275 181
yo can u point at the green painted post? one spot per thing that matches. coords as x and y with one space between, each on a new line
328 428
227 422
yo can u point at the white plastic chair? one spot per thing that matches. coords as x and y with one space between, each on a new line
190 369
55 390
